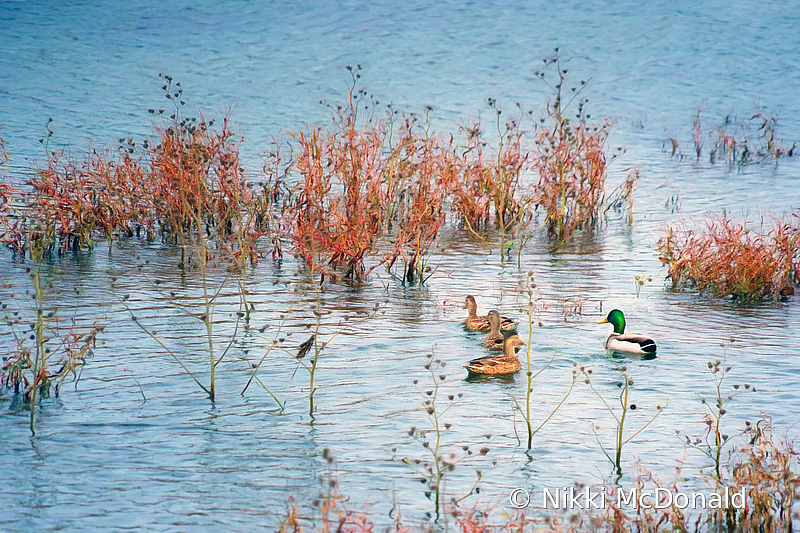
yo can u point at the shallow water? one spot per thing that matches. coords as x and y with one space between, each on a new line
135 443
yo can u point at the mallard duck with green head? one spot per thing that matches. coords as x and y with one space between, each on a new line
626 343
499 364
474 322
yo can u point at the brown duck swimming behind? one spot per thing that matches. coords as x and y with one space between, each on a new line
494 340
481 323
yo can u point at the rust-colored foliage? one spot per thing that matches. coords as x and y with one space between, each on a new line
729 259
486 188
189 181
419 175
571 161
338 208
357 188
771 484
334 515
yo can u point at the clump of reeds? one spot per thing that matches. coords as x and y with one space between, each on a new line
186 181
571 159
358 186
487 185
769 473
337 210
418 175
736 143
727 258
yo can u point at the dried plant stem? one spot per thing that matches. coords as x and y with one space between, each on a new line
39 361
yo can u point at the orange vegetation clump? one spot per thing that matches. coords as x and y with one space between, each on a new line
729 259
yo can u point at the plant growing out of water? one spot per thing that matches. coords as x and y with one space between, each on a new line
769 471
438 462
418 174
308 353
571 160
729 259
737 143
203 312
29 370
619 415
185 183
331 504
360 186
485 185
715 440
525 412
337 211
622 196
503 175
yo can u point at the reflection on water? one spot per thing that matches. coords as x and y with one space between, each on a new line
135 442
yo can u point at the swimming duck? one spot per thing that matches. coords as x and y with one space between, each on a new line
623 343
481 323
494 340
499 364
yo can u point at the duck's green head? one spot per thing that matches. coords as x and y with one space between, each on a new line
616 319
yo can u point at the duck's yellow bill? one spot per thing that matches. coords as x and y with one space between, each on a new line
603 321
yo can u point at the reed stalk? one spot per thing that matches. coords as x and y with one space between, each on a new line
624 406
531 307
437 461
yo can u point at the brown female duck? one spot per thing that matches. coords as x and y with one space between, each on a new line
481 323
499 364
494 340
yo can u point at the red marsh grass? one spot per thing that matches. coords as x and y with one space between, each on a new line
736 142
360 192
729 259
365 186
764 471
571 157
189 180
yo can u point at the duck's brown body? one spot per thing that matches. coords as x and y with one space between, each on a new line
499 364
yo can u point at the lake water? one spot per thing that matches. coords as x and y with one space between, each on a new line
136 444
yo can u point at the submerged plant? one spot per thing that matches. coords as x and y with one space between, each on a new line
525 411
438 461
730 259
715 439
29 371
770 475
619 415
331 507
622 196
737 143
571 160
